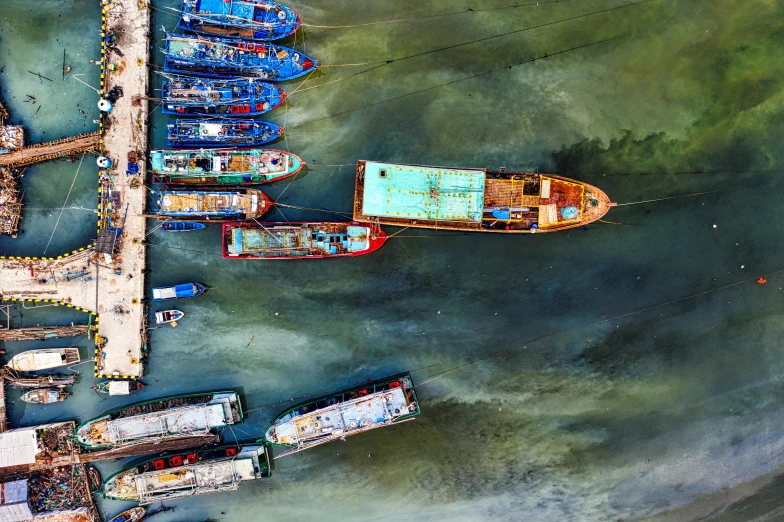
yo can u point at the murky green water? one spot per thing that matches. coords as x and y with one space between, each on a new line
673 411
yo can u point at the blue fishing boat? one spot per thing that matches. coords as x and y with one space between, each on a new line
217 133
252 20
192 96
204 205
182 226
227 58
165 293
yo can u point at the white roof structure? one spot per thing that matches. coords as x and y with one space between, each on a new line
119 387
13 502
17 447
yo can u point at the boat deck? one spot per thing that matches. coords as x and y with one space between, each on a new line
207 202
473 199
185 421
344 418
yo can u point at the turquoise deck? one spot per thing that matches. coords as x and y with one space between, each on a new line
415 192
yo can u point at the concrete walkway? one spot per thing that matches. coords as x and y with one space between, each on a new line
112 288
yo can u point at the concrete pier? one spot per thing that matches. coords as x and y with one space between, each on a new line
108 284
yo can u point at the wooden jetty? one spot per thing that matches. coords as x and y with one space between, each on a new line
50 150
40 333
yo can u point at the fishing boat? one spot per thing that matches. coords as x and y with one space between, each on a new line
221 133
182 226
43 359
251 20
338 415
191 205
94 480
168 316
243 97
130 515
223 166
44 396
299 240
473 199
183 291
212 470
228 58
159 420
118 387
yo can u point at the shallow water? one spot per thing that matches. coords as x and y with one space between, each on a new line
593 412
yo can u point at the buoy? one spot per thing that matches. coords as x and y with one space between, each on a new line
762 280
105 105
104 162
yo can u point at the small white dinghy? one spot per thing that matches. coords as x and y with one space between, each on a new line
33 360
169 317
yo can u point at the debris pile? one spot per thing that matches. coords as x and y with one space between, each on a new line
10 201
59 489
11 138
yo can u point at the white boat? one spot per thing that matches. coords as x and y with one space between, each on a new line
158 420
347 412
43 359
168 316
210 471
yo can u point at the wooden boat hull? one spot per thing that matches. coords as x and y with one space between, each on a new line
105 387
232 58
95 482
173 205
278 22
44 396
43 359
374 239
130 515
477 200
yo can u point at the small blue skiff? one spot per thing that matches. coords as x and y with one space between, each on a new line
227 58
165 293
247 19
182 226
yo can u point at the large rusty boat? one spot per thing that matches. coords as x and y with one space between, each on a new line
473 199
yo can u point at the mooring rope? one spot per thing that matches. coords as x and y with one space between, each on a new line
424 17
458 80
601 321
64 203
670 197
487 38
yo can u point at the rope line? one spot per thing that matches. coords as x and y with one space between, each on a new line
671 197
602 321
506 67
64 203
501 35
453 13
